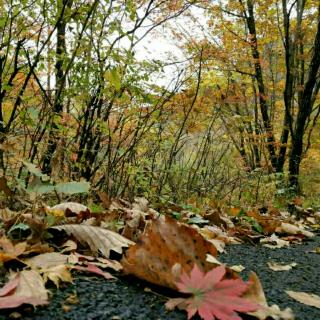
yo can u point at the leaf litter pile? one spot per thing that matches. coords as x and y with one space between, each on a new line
172 247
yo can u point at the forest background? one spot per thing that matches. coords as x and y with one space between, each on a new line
232 117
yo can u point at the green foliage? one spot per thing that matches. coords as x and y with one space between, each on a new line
32 168
73 187
41 185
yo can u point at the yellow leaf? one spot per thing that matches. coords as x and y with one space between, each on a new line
57 274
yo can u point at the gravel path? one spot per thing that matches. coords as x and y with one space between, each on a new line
95 298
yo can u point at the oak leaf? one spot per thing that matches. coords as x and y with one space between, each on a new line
212 296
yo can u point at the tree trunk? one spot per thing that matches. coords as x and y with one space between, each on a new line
61 52
304 112
264 109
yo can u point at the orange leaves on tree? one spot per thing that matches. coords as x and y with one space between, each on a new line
212 296
166 249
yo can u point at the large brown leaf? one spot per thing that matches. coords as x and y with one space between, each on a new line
166 249
97 238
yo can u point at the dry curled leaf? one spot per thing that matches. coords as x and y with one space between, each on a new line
165 243
212 296
97 238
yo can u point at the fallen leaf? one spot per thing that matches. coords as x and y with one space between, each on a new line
66 308
274 242
98 239
210 258
29 290
57 274
316 250
292 229
9 250
47 260
268 223
108 263
256 294
216 218
72 211
281 267
211 296
141 204
68 246
219 244
94 269
72 298
237 268
9 286
309 299
165 243
72 206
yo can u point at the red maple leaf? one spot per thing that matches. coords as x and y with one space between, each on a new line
212 297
